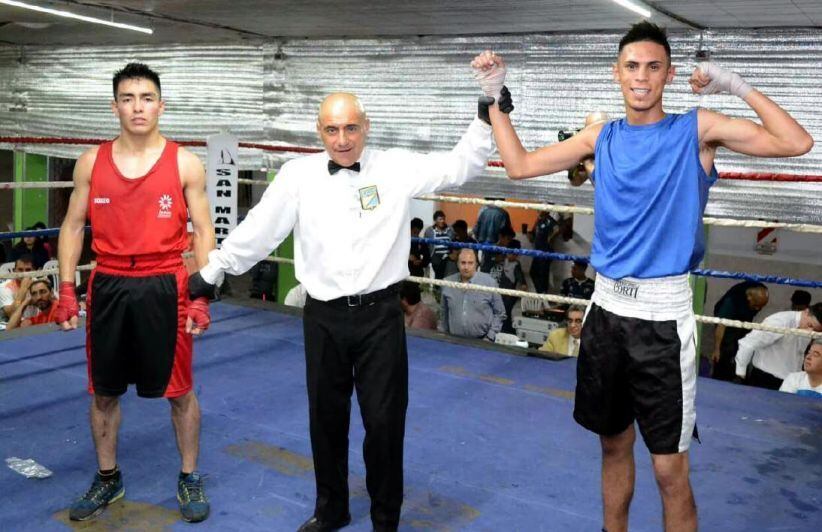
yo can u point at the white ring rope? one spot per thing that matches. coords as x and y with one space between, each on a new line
565 209
490 289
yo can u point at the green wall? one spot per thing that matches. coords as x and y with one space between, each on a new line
30 205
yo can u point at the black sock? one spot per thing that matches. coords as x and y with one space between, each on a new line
108 474
184 475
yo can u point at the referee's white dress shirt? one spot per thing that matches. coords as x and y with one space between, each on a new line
774 353
350 228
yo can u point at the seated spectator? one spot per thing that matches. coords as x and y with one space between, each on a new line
468 313
13 291
40 298
419 256
296 297
800 300
565 340
741 302
773 356
33 246
460 228
809 381
417 313
579 285
507 272
438 252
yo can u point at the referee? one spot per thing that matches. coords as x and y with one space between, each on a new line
353 322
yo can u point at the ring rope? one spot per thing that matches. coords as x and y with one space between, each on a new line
749 176
502 291
773 279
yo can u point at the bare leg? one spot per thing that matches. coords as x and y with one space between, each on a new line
105 422
617 478
679 508
185 416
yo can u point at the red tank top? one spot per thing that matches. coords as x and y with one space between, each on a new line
137 220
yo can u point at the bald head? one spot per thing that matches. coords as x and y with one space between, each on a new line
343 127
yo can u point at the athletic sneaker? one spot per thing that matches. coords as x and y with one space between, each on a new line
191 495
99 495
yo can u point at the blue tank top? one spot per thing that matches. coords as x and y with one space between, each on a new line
650 194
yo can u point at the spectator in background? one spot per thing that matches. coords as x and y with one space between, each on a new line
417 313
565 340
741 302
468 313
31 245
544 230
579 284
808 382
418 257
40 298
800 300
490 221
39 226
505 239
568 242
507 272
13 291
460 228
439 252
773 356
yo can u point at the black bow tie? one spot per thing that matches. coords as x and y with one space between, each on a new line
333 167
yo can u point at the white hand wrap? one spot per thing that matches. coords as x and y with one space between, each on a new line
491 80
724 81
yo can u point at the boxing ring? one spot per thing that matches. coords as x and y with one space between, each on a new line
490 442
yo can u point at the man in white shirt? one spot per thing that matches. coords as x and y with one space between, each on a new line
773 356
807 383
352 320
13 291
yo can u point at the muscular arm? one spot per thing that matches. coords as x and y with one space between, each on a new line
522 164
70 241
779 135
194 187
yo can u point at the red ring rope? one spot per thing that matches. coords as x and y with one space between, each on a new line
749 176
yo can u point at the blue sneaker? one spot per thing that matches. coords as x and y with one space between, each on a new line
194 505
99 495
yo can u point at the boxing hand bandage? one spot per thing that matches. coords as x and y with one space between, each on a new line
723 81
199 314
67 306
491 79
200 288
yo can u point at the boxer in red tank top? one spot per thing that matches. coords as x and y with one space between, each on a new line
138 192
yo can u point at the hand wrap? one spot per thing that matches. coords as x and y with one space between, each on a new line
199 313
67 306
723 81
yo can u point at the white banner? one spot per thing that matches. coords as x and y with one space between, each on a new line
222 171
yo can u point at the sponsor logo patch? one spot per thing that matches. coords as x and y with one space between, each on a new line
369 198
165 206
102 201
626 288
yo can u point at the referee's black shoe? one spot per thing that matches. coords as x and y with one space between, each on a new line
317 525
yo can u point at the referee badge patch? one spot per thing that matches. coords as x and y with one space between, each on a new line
369 198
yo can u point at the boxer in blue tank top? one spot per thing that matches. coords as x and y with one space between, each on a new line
652 172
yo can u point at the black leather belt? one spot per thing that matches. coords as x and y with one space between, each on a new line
365 299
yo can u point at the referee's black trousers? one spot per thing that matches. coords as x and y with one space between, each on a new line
362 346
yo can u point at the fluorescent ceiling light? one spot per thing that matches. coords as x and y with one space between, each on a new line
636 7
84 18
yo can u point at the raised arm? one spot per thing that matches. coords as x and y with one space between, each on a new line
70 241
779 135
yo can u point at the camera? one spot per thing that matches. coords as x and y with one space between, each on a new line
565 135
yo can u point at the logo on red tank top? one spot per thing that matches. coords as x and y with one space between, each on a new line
165 206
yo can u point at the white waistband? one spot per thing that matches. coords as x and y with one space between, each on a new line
657 299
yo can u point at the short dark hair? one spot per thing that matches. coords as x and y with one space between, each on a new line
136 71
815 310
437 214
417 222
43 280
646 31
410 292
581 264
801 297
460 224
28 258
